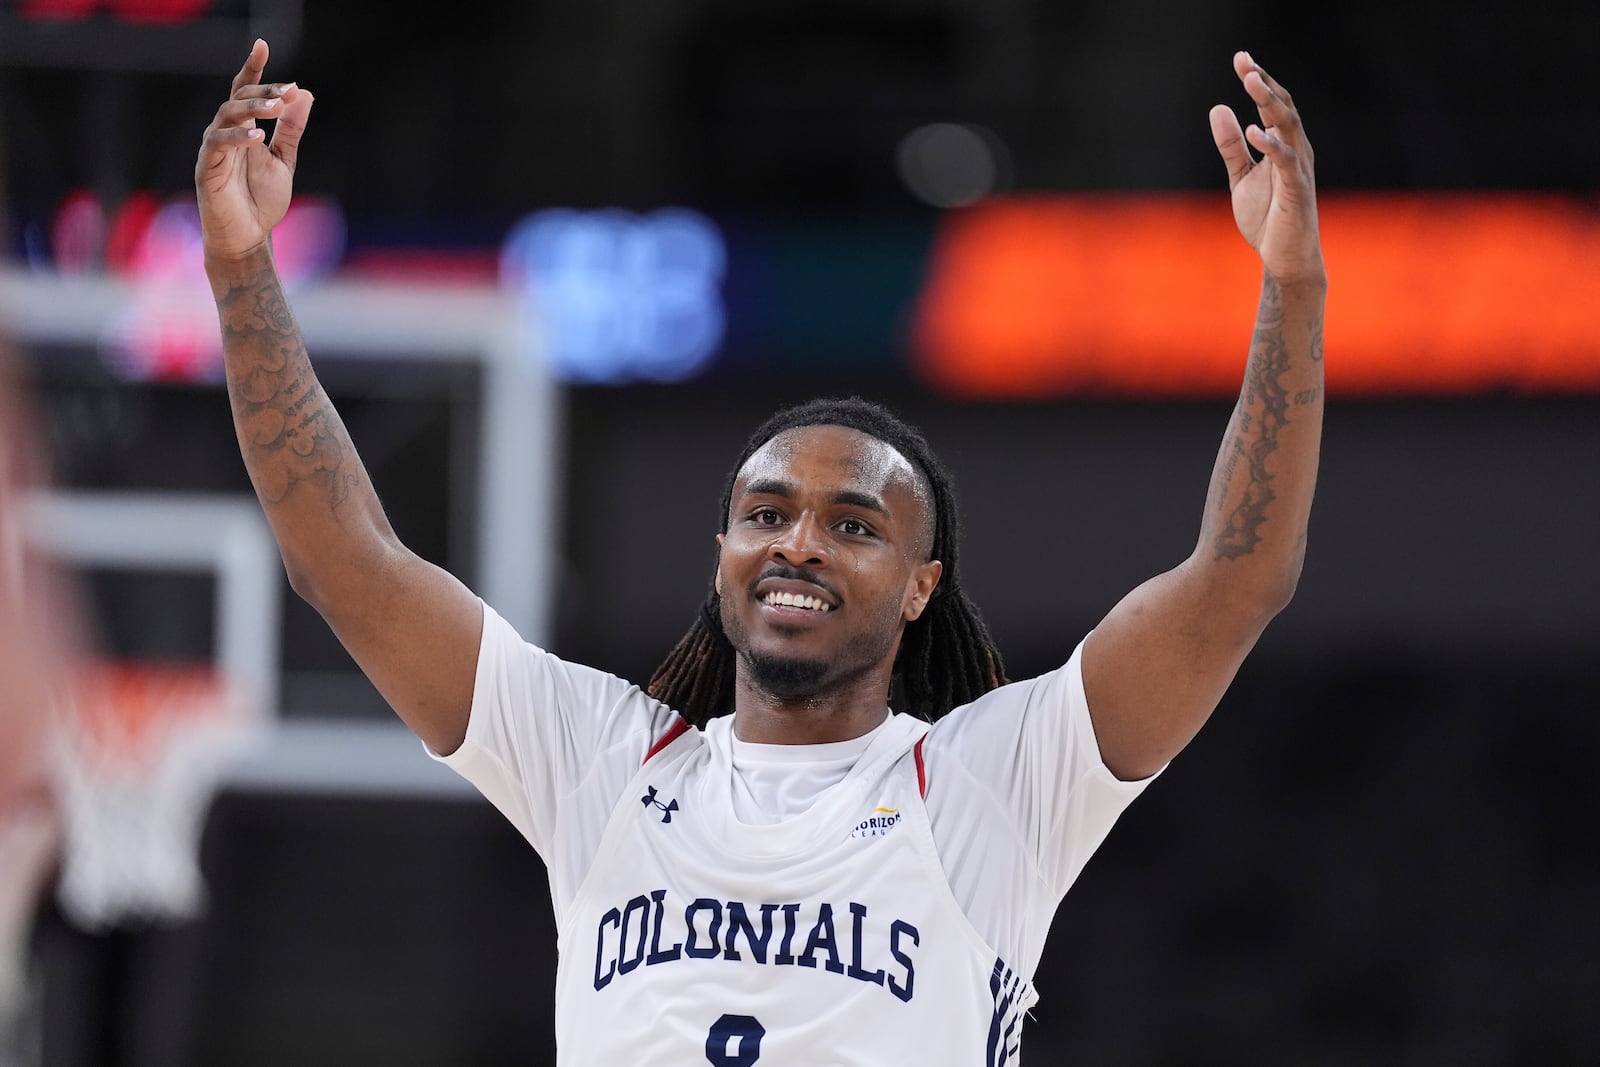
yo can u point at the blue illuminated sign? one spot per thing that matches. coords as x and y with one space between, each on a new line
610 296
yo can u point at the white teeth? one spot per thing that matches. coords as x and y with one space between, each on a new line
796 600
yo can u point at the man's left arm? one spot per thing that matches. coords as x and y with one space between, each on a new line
1157 665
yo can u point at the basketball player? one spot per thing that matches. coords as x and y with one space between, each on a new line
754 860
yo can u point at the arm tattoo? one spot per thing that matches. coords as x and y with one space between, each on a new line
1263 408
288 430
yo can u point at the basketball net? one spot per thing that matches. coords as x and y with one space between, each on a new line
144 746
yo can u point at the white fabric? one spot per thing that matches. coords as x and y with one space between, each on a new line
776 782
830 937
1017 801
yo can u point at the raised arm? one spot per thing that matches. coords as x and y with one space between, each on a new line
412 627
1157 665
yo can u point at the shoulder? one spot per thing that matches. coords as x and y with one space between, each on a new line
571 708
506 658
1043 704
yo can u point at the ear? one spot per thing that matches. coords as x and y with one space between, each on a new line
919 588
716 583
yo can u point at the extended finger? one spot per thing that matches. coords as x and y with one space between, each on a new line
220 140
1274 107
1272 101
1230 142
255 92
1244 63
1291 178
1272 83
245 112
254 64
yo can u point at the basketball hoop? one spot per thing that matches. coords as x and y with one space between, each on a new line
143 748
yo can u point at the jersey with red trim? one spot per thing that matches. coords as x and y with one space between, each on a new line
827 938
819 899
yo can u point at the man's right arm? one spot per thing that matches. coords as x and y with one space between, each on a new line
412 627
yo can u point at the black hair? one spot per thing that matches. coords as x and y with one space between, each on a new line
946 656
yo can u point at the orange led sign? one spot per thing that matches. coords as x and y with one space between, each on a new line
1154 295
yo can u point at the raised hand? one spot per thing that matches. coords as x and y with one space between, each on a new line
244 182
1275 197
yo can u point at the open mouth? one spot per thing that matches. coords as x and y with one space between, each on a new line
801 601
793 599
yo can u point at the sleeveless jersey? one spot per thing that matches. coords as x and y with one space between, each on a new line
830 938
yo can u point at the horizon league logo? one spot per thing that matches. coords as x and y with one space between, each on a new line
707 929
878 824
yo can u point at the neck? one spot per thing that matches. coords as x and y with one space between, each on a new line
841 712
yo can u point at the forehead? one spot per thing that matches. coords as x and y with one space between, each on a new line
831 457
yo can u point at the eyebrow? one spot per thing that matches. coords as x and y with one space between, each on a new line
852 497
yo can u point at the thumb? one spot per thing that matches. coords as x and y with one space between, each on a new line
291 126
1231 145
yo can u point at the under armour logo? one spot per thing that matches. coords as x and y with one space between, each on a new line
666 809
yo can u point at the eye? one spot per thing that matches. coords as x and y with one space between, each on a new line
854 528
766 517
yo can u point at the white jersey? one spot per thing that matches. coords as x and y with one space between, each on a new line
890 911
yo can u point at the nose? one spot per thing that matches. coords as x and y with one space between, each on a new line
801 543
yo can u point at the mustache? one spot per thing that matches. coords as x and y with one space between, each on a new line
793 574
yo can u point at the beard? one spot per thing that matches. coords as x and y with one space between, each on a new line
790 678
793 678
786 679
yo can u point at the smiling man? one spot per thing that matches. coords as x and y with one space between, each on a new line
826 552
755 860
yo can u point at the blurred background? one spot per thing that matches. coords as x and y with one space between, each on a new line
555 262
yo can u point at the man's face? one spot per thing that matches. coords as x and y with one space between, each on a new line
825 559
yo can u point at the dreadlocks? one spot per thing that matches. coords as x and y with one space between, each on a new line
946 657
